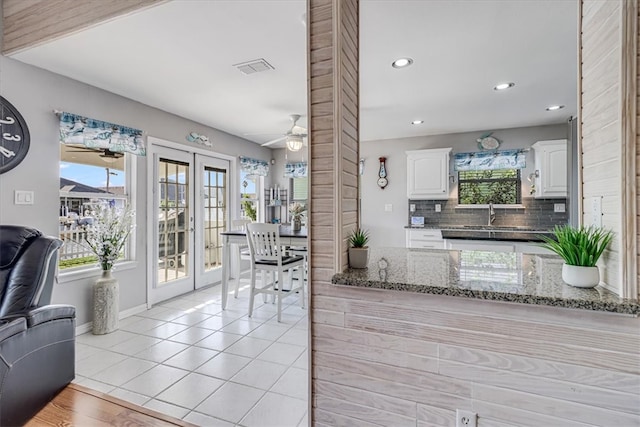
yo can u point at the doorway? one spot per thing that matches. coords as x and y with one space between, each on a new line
189 211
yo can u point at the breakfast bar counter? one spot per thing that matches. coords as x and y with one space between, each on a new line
497 276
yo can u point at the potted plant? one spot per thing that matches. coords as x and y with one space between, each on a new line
580 248
106 238
296 210
358 249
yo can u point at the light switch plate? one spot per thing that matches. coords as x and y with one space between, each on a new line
558 207
438 208
412 207
388 207
22 197
596 211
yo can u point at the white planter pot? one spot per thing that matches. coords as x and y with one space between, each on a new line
580 277
358 257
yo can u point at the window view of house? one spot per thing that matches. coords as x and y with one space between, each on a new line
87 178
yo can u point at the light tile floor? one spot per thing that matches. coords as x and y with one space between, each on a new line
189 359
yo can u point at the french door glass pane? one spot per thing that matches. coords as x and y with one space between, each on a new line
215 185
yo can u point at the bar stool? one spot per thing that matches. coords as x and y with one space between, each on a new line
242 252
267 255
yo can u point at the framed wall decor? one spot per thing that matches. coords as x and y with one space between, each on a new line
14 136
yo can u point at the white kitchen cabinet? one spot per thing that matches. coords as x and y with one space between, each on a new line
551 167
428 174
424 238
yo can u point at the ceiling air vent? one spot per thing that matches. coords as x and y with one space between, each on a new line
255 66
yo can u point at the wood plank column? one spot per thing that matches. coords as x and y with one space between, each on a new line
333 124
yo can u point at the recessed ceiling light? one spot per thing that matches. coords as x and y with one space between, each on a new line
417 122
555 107
503 86
402 62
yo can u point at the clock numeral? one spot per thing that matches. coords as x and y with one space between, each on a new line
8 121
8 137
7 153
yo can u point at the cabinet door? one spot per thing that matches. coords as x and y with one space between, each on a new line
551 163
428 174
554 174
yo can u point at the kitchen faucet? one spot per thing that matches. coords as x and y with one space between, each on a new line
492 215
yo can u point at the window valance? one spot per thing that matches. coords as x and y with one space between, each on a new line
295 170
254 166
93 133
489 160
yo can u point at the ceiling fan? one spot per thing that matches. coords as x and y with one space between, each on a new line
293 137
106 154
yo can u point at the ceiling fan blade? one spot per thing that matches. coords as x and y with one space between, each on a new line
298 130
273 141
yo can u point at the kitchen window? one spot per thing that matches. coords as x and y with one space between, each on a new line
497 186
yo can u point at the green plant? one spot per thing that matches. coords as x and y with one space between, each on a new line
580 246
358 238
249 210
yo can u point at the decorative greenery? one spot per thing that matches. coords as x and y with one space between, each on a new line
296 210
578 246
249 209
358 238
107 236
75 262
499 186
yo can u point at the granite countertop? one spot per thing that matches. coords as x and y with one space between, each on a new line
496 276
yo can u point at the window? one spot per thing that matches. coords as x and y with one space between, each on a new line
300 189
88 176
480 187
249 195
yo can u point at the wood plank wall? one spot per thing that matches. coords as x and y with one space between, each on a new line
334 140
602 162
27 23
399 359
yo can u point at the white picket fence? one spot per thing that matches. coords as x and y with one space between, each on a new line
73 238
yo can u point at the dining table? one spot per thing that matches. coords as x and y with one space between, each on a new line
288 237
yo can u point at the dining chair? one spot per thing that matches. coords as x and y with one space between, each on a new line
242 251
267 255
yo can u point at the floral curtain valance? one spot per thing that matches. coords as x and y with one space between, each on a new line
295 170
254 166
93 133
489 160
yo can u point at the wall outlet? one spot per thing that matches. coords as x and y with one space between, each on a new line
466 418
438 208
412 207
558 207
388 207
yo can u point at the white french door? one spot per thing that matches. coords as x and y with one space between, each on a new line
190 209
173 218
212 216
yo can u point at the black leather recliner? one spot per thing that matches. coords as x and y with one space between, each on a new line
37 340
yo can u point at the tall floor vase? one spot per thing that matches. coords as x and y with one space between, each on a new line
106 304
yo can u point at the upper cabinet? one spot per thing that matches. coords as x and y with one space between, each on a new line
551 168
428 174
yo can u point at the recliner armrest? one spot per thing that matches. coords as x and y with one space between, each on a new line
10 327
48 313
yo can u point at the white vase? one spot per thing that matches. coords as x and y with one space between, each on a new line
106 304
580 277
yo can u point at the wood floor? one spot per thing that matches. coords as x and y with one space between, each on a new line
80 406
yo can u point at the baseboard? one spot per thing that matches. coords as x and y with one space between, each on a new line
86 327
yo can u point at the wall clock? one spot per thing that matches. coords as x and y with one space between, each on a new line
14 136
382 174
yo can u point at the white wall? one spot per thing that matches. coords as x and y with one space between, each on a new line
386 228
36 93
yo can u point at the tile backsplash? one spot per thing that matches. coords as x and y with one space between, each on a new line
536 213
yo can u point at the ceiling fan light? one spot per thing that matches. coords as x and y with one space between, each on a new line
294 142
